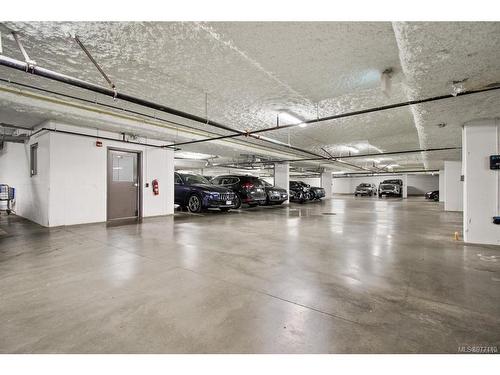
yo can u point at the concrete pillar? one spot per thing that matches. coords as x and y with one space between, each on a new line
481 139
327 183
441 185
453 186
405 185
282 176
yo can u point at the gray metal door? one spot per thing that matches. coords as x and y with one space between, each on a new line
123 184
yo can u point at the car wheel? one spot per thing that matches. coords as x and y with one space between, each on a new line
194 204
224 209
237 201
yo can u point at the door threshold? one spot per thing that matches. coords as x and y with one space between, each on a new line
123 221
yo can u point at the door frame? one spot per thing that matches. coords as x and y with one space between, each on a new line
139 180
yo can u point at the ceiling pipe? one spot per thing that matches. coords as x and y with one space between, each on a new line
76 82
358 156
4 125
46 73
49 74
14 138
385 173
348 114
96 137
121 109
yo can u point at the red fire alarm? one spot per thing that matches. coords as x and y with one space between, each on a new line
98 143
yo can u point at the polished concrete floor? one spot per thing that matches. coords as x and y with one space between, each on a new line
347 275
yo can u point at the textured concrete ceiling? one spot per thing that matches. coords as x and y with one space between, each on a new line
251 71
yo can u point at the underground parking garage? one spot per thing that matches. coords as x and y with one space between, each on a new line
234 196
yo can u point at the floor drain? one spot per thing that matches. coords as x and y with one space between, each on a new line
329 213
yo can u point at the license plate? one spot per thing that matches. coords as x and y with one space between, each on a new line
228 202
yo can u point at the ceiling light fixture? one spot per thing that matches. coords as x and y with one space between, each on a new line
390 166
352 149
192 155
291 119
385 81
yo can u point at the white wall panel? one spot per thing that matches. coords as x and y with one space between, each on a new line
32 193
70 187
441 185
481 184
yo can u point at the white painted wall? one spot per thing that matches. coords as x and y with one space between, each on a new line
421 184
441 185
453 187
343 185
32 193
481 184
71 184
412 184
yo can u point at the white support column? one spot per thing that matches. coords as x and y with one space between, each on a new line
282 176
405 185
481 139
326 183
441 185
453 187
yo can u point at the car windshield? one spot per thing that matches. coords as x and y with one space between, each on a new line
266 183
193 179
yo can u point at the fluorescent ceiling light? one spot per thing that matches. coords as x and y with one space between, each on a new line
192 155
339 172
351 149
289 119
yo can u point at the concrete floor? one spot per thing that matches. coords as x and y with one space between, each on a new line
348 275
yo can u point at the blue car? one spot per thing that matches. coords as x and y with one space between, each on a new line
196 193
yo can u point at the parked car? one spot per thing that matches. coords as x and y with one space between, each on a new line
391 188
275 195
196 193
434 195
365 189
299 191
247 189
316 192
